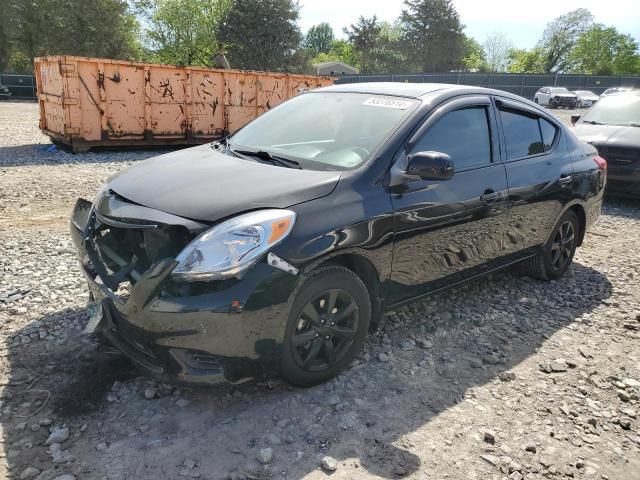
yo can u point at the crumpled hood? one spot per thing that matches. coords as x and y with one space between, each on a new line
608 135
202 184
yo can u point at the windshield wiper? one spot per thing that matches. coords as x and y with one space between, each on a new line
264 155
592 122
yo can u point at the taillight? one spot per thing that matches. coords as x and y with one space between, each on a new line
601 162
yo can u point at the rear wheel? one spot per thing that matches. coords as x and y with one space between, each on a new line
327 326
557 255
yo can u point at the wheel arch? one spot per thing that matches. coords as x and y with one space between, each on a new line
366 271
579 209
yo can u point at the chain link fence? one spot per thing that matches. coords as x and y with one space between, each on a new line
21 86
524 85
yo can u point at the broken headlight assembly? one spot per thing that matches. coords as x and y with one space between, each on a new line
230 248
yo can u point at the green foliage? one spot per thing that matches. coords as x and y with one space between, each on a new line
262 35
605 51
432 35
559 38
340 50
526 61
319 39
364 35
183 32
474 58
100 28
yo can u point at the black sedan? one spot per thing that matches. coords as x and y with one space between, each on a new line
277 250
613 127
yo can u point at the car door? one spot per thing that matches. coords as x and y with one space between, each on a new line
539 173
448 230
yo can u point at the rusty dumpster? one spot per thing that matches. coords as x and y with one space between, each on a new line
87 102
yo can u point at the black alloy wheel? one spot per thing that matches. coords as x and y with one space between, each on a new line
326 329
328 322
563 246
557 255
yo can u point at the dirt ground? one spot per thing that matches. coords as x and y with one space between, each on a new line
502 378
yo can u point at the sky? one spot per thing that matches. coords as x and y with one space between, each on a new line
522 22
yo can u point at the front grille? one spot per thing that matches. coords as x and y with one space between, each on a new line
120 252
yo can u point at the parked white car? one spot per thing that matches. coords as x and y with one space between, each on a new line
611 91
555 97
586 98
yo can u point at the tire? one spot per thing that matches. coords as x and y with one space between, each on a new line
328 294
578 104
547 265
535 100
554 103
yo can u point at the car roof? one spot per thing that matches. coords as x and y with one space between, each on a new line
411 90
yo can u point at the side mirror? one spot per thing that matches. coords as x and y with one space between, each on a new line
574 118
431 166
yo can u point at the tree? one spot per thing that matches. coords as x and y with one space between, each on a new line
364 35
433 37
100 28
261 34
497 47
341 50
183 32
526 61
473 58
560 36
605 51
319 39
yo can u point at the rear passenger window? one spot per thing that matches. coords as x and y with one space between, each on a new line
548 131
463 135
526 134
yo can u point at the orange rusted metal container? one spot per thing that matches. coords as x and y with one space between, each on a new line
87 102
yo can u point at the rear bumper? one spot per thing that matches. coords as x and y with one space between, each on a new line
202 333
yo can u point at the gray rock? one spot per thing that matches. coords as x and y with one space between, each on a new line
66 476
29 473
489 437
329 464
491 459
150 393
383 357
407 345
333 400
183 402
265 455
58 435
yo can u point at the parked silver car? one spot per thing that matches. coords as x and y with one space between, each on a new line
555 97
586 98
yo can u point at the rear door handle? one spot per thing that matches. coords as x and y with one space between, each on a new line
565 179
490 196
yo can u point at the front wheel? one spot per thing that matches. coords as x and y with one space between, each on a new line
557 255
579 104
327 325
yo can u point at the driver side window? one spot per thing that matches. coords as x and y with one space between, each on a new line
463 135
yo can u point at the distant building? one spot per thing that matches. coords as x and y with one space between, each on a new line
335 68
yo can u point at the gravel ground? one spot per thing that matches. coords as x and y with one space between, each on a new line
537 380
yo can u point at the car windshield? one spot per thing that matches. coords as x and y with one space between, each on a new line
560 90
325 130
584 92
619 109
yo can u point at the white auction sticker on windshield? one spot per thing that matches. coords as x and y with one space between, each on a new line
388 102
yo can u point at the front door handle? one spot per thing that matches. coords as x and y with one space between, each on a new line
565 179
490 196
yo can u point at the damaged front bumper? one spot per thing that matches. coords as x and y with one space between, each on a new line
200 332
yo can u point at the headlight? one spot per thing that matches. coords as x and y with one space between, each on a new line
231 247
